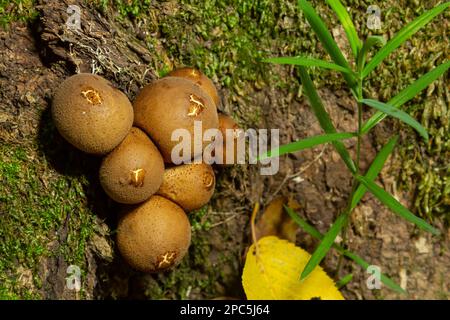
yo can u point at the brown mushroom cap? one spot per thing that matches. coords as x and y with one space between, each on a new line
190 185
173 103
134 170
154 236
91 114
199 78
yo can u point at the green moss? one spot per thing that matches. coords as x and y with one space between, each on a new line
17 10
36 205
132 9
200 220
226 39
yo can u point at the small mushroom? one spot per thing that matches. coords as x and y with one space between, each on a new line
170 104
190 185
91 114
154 236
199 78
134 170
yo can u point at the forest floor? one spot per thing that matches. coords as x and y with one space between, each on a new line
53 212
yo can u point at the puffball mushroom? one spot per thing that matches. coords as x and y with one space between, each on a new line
134 170
199 78
154 236
91 114
190 185
171 104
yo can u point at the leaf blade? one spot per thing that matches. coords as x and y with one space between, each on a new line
403 35
396 206
374 170
323 117
326 39
344 281
302 223
385 279
370 42
407 94
324 246
308 62
397 113
306 144
347 24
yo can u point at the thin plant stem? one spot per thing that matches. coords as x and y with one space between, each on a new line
348 211
358 145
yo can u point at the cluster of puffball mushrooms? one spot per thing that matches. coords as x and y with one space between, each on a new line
153 232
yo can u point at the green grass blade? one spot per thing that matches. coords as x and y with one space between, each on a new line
344 281
391 284
323 117
407 94
308 62
397 113
403 35
396 206
375 168
357 259
303 224
370 42
326 39
347 24
385 279
324 246
306 143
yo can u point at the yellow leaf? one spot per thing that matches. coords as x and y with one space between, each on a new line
273 272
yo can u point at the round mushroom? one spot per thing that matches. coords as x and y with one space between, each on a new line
91 114
199 78
154 236
171 104
134 170
190 185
